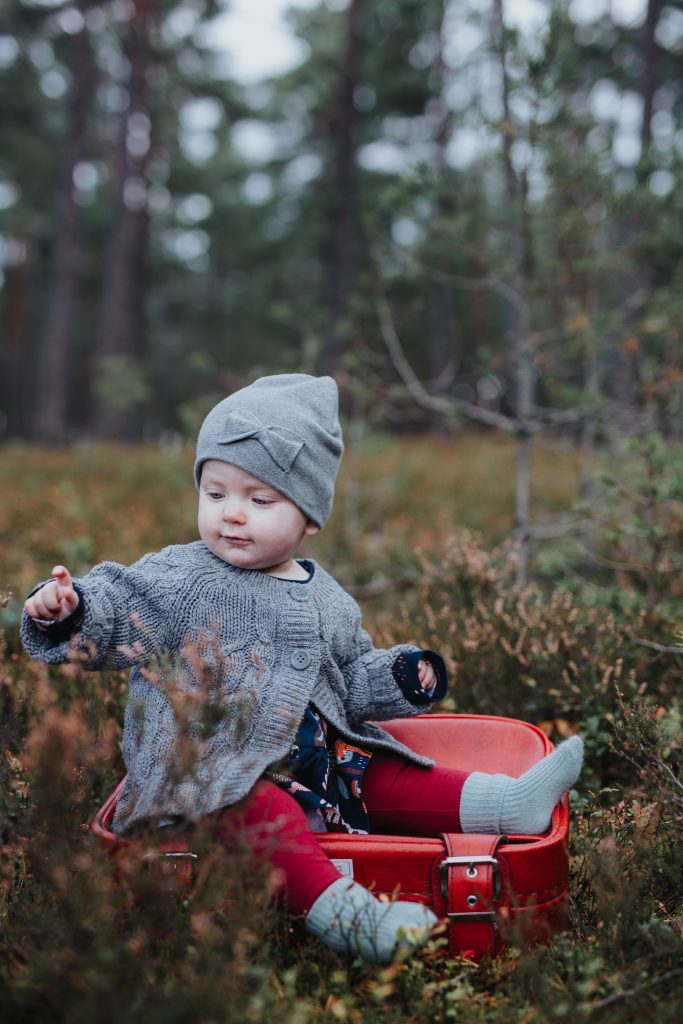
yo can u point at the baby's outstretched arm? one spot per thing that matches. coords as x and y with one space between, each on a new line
56 600
114 616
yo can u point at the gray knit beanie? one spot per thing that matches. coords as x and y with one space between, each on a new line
283 430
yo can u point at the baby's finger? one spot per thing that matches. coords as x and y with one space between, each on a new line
65 590
425 673
30 608
63 577
50 598
70 600
44 604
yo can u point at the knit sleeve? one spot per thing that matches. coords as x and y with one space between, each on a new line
64 629
126 616
372 689
406 676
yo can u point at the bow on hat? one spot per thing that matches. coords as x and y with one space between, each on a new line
282 449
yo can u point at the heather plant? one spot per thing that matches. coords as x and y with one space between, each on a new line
79 942
542 655
627 554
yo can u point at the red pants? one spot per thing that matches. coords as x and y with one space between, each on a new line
401 798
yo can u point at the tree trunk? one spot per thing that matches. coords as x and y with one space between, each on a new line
21 352
638 284
591 389
441 348
52 397
119 385
340 260
518 327
649 74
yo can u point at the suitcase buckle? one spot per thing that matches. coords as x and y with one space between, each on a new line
181 863
471 872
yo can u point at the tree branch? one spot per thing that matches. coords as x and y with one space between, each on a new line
420 394
662 648
543 417
381 585
627 993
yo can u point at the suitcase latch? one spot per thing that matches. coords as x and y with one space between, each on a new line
181 863
473 899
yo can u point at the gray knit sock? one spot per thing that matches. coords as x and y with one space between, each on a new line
499 804
347 917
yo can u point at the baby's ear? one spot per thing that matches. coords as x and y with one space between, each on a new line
311 528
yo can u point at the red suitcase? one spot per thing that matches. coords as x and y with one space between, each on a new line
490 889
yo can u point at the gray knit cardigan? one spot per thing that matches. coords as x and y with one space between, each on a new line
224 663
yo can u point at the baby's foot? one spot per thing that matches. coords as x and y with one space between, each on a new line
499 804
348 918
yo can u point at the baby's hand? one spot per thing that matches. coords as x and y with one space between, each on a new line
425 674
56 600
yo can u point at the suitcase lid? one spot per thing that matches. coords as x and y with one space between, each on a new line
482 743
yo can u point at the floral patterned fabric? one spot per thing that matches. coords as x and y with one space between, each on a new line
324 774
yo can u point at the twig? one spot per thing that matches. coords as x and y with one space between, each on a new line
609 563
381 585
491 284
600 1004
544 417
417 390
559 416
557 526
662 648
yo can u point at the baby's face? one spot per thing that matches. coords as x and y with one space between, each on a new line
248 523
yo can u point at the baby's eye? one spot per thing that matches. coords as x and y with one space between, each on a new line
215 495
262 501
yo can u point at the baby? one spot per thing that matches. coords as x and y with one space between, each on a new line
273 648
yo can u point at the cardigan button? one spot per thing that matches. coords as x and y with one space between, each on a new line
298 592
300 659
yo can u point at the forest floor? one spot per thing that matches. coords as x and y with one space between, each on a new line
420 533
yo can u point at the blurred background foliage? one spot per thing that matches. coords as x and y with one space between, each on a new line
475 226
167 231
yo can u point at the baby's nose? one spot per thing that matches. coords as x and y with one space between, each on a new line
234 513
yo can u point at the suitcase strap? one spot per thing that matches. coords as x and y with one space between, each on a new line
467 887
